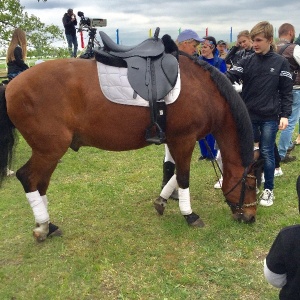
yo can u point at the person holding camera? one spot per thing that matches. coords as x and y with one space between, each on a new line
69 21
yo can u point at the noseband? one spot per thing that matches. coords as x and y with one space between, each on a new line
240 206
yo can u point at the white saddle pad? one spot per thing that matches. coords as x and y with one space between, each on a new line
116 87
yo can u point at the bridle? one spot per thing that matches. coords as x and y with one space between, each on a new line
236 207
241 205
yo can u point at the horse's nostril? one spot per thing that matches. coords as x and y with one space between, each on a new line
251 220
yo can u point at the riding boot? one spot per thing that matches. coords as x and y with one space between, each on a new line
168 172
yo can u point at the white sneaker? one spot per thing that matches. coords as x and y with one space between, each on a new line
9 172
278 172
218 184
266 198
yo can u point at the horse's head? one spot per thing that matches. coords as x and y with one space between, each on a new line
241 197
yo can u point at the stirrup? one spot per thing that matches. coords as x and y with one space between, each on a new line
157 139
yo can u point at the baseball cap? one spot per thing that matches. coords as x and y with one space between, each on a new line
188 34
221 42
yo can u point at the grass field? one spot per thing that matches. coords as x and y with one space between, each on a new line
115 246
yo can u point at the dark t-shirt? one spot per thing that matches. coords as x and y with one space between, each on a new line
18 65
284 257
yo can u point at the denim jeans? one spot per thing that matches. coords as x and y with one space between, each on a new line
72 40
286 135
210 153
268 131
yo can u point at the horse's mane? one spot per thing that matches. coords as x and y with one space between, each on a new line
238 109
236 104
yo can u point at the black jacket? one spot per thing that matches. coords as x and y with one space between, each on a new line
17 65
69 25
267 85
284 258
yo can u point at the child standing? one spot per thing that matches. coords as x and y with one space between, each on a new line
267 92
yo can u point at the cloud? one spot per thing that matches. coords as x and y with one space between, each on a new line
134 18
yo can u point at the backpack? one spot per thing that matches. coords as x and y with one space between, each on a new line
294 69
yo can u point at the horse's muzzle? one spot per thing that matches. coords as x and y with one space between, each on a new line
243 217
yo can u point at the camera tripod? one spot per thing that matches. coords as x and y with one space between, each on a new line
89 52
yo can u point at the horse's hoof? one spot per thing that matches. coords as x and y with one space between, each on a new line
160 205
40 233
194 220
54 230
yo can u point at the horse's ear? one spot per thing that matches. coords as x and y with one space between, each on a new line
170 46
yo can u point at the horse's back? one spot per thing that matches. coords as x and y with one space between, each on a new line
64 98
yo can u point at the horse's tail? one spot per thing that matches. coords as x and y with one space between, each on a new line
7 137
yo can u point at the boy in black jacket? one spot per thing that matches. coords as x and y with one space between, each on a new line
267 92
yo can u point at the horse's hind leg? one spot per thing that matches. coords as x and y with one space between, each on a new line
35 177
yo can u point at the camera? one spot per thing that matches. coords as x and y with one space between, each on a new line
90 22
83 20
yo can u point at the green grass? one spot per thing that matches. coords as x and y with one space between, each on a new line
115 246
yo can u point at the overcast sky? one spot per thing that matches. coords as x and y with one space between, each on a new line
134 18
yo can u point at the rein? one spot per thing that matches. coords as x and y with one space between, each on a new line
241 204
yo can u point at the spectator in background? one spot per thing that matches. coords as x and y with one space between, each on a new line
291 52
16 54
69 22
188 42
210 54
242 48
222 48
15 59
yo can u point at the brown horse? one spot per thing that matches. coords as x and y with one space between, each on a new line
59 105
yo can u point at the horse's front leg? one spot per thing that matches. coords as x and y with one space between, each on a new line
184 202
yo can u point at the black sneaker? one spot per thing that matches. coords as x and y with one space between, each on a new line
288 159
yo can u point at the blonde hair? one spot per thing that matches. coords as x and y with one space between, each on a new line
244 33
266 29
18 39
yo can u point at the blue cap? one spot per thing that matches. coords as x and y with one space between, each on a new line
189 34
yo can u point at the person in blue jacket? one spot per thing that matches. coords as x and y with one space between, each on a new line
210 54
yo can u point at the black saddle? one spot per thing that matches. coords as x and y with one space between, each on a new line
150 47
152 73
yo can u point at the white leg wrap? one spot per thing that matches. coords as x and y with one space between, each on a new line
168 156
38 207
169 188
45 200
184 201
219 160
